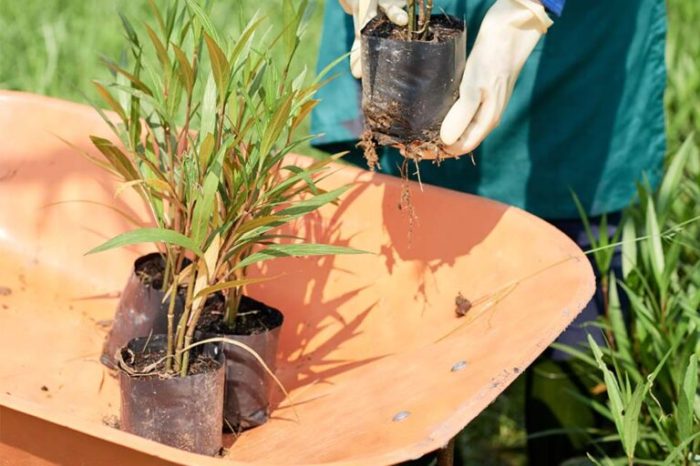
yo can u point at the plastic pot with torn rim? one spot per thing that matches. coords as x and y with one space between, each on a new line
142 310
183 412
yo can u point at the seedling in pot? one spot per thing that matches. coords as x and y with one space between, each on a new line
409 79
205 124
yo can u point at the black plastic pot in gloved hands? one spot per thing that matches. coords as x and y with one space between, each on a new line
409 86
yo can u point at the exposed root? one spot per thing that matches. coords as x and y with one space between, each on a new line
405 202
369 147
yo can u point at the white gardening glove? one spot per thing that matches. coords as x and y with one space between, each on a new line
362 12
508 34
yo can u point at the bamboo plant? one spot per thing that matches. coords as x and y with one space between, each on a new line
204 123
419 12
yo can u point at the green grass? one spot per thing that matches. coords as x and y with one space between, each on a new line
53 47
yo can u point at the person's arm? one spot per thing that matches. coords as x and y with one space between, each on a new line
507 35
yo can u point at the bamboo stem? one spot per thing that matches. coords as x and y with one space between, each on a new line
171 330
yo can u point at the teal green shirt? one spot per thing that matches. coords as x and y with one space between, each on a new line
586 114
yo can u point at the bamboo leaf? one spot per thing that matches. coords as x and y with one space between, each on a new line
148 235
161 52
674 174
261 222
207 124
110 100
619 328
656 251
186 73
629 247
204 208
245 37
116 158
617 407
313 203
233 284
295 250
630 434
136 82
672 458
219 65
688 392
203 18
206 149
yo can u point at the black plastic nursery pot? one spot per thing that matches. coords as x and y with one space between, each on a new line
409 86
141 310
248 385
183 412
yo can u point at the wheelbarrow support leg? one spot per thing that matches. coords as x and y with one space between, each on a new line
446 456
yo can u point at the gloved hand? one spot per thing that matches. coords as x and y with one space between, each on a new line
508 34
362 12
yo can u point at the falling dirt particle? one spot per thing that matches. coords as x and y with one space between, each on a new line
5 291
516 370
111 421
44 388
5 306
462 305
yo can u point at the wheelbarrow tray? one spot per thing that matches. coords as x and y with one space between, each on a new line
378 365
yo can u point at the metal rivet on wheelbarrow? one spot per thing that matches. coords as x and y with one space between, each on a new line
458 366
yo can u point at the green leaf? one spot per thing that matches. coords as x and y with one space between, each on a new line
160 48
245 37
629 247
630 433
295 250
671 459
619 328
207 124
116 158
687 396
204 20
186 74
617 408
309 205
204 208
148 235
129 29
136 82
656 250
219 66
258 222
110 100
232 284
674 174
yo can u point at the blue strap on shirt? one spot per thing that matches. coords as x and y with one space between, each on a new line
555 6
